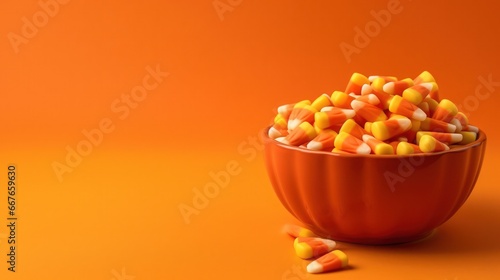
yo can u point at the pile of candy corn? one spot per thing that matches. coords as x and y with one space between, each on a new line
308 245
376 115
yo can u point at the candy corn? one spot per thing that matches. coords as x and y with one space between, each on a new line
368 112
366 89
460 121
433 90
341 99
311 247
398 87
322 101
434 94
282 139
378 147
368 127
375 114
286 109
303 133
462 118
405 148
378 89
356 82
356 96
447 138
384 78
326 119
324 141
445 111
279 127
301 113
328 108
430 124
378 84
424 77
403 107
470 128
424 106
432 105
353 128
467 137
411 133
417 93
298 231
383 130
429 144
457 124
334 260
348 143
369 98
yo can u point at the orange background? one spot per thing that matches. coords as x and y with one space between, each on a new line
117 213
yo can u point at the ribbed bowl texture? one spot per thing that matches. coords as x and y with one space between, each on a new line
372 199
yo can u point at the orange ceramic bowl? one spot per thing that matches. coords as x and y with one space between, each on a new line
372 199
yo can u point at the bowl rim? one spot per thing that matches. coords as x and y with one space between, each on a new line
480 140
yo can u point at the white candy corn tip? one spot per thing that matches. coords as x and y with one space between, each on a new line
373 77
366 137
456 137
314 267
282 109
282 140
456 123
292 124
389 87
451 128
327 108
357 105
404 123
472 128
366 89
330 244
314 145
349 113
373 99
419 115
363 149
428 86
274 133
